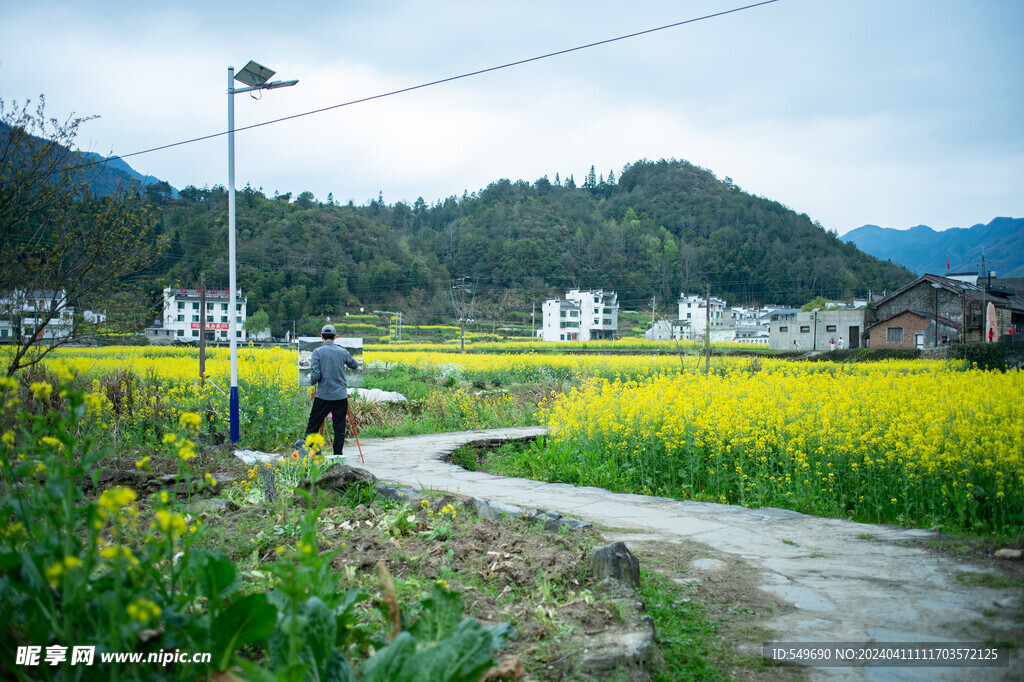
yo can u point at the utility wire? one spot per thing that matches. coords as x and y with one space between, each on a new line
436 82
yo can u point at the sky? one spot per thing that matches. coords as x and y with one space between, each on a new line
888 112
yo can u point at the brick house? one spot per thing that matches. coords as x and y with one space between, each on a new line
960 309
912 329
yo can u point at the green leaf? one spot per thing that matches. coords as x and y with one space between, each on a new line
249 620
440 616
465 655
214 573
255 673
390 663
338 669
319 632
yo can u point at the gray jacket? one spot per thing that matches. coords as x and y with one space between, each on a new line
327 371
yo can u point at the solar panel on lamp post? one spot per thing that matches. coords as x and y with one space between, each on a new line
255 76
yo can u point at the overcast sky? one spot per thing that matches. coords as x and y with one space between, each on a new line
890 112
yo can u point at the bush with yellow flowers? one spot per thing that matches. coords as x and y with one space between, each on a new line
120 572
919 444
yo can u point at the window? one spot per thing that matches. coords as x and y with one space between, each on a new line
195 332
805 329
830 327
181 305
209 318
195 306
561 313
894 334
238 334
181 332
181 318
783 329
223 306
195 318
223 318
209 306
596 321
574 313
238 319
238 307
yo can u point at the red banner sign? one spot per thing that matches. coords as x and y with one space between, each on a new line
212 325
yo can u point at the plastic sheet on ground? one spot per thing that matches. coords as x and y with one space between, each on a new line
376 395
253 456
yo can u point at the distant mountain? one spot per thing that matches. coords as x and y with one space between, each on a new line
113 170
103 174
923 249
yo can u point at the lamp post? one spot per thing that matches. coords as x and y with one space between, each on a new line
255 76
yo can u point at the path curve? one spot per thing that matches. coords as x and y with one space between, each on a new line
848 582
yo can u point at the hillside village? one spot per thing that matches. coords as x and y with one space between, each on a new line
931 312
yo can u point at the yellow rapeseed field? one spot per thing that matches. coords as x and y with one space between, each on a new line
914 442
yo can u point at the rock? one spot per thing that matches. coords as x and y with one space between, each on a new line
214 505
334 483
137 480
621 652
494 511
615 561
509 667
553 521
1009 553
400 495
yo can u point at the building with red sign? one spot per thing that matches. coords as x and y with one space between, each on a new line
183 315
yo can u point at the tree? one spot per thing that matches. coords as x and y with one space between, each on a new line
64 248
257 322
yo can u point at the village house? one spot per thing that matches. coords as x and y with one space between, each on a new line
581 316
817 330
181 316
23 313
934 311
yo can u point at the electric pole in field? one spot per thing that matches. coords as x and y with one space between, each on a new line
202 328
707 333
463 296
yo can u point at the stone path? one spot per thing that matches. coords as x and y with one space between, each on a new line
848 582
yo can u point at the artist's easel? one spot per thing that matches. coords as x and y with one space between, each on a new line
351 420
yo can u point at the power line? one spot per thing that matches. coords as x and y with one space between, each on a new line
441 81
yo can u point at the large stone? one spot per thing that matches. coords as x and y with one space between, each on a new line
494 511
615 561
334 483
137 480
400 495
215 505
554 521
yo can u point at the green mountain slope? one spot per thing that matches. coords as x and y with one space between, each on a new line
664 228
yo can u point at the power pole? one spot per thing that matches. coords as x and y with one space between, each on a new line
202 328
707 333
533 321
463 309
654 299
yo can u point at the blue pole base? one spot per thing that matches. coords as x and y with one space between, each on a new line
234 414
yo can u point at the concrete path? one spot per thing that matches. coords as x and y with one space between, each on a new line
848 582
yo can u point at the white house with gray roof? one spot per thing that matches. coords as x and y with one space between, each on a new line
580 316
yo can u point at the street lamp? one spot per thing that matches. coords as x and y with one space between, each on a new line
255 76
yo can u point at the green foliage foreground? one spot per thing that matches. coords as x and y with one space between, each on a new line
117 573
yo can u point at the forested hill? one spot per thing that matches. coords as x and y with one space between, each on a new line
663 228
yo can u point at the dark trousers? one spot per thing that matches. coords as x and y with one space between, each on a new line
320 410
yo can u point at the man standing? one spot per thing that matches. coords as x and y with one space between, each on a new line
327 373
